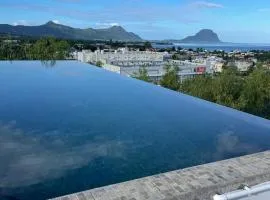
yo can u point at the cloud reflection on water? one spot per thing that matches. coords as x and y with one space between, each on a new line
229 143
30 158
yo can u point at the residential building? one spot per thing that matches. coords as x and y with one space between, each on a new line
128 63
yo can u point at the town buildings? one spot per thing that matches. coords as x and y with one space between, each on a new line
128 63
122 54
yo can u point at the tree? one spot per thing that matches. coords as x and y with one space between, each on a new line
147 45
200 86
171 78
49 49
227 88
199 50
142 74
7 52
255 97
249 93
175 57
99 63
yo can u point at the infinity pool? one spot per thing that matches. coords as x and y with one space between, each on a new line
72 127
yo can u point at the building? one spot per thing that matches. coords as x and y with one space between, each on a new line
128 63
189 69
218 67
121 54
243 66
156 69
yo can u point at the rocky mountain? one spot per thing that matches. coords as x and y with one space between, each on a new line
66 32
203 36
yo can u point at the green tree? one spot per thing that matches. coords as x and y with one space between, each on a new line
49 49
249 92
142 74
200 86
6 51
171 78
255 97
199 50
147 45
175 56
227 88
43 49
99 63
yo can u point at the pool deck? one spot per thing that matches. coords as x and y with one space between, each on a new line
194 183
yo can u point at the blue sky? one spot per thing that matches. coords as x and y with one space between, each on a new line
245 21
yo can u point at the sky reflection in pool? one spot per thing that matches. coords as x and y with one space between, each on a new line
72 127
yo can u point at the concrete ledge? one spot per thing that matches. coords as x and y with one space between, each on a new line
195 183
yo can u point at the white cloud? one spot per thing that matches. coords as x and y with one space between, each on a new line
130 12
206 4
229 143
106 25
30 158
21 22
56 21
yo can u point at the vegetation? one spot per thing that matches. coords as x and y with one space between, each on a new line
250 93
99 63
200 86
262 56
147 45
49 49
61 31
142 74
43 49
171 79
255 96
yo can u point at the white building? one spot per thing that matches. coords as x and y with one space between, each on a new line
119 55
243 66
218 67
156 70
128 63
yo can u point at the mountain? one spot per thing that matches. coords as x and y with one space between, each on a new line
203 36
66 32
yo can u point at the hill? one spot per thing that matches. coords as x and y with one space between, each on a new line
203 36
66 32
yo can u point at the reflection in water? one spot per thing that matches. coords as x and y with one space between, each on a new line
229 143
48 63
45 63
81 127
7 197
30 159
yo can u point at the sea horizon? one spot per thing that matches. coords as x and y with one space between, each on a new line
225 46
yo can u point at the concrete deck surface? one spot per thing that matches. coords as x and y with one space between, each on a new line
195 183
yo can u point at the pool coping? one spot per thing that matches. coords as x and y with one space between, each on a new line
198 182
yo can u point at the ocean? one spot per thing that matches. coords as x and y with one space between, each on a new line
227 47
